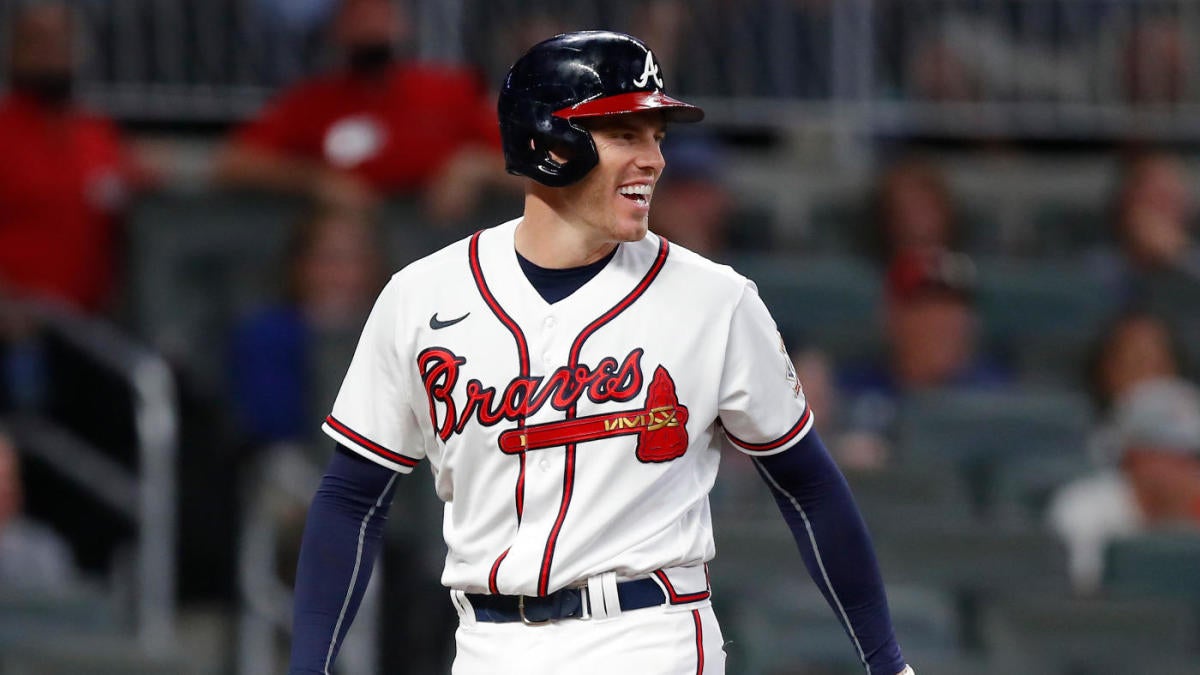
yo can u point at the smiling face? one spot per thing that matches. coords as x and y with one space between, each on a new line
612 202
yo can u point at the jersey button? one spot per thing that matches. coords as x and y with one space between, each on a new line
551 322
544 465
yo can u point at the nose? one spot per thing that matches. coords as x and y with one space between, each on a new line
652 158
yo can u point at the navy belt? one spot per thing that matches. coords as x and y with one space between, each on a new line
562 604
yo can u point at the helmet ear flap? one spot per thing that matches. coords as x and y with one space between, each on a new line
534 133
573 144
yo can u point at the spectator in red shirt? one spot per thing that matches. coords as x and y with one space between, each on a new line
376 126
64 176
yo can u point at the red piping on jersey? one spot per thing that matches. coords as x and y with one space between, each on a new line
676 598
523 357
495 571
699 642
572 361
779 442
368 444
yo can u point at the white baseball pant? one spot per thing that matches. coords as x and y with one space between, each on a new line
663 640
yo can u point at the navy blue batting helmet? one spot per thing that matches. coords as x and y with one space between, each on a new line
570 77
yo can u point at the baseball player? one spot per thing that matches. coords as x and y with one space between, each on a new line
571 380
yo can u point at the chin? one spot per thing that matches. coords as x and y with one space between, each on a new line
632 231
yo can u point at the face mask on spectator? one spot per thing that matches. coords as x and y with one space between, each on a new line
51 87
370 58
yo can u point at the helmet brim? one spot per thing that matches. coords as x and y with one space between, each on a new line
637 101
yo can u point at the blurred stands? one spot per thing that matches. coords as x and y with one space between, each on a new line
977 584
956 520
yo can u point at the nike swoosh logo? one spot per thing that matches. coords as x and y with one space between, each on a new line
436 323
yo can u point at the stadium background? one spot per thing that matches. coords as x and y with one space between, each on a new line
1023 115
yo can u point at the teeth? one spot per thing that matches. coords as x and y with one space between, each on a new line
635 190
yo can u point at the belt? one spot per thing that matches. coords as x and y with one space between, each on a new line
566 603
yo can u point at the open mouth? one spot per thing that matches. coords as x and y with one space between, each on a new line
638 194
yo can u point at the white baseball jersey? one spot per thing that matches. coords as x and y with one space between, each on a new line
575 438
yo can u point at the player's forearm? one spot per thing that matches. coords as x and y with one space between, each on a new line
816 502
342 536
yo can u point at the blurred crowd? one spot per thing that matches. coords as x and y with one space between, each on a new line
378 127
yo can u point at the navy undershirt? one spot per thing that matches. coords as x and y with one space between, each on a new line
555 284
342 534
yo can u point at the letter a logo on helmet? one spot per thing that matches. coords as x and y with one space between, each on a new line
571 77
649 71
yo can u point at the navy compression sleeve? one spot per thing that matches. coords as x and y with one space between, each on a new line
342 536
816 502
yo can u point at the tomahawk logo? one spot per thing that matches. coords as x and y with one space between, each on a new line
660 426
650 70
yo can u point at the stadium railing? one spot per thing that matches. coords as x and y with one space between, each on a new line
274 500
853 68
145 495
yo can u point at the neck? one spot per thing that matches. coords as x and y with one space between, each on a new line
548 235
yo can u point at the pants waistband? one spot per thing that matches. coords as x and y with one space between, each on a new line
567 603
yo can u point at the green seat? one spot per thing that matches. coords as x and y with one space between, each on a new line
1051 360
1020 488
974 559
69 654
977 429
25 615
1174 295
1020 299
836 224
936 485
1161 564
1055 635
784 624
896 499
1063 229
833 303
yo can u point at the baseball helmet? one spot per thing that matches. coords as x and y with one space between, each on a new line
570 77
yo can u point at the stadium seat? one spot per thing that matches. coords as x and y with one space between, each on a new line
1063 229
976 430
1050 360
1035 635
26 615
1019 488
899 498
1162 564
1022 299
830 302
784 623
71 654
974 559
